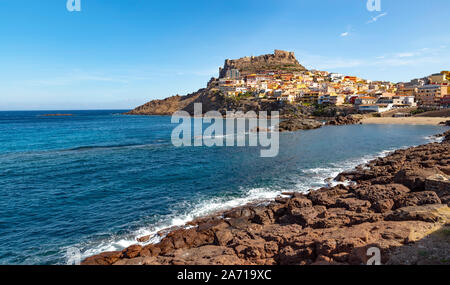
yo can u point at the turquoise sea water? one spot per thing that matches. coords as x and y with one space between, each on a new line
98 179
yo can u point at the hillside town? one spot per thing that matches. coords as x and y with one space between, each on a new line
313 87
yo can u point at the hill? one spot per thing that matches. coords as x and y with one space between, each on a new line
212 100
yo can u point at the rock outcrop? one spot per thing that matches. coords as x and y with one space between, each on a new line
278 61
445 123
210 101
398 204
346 120
295 124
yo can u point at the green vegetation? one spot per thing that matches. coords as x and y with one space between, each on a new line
323 110
247 94
418 111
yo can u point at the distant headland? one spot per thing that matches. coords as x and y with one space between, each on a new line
56 115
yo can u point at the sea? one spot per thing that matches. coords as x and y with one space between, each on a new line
96 180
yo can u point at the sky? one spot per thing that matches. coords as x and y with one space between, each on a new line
118 54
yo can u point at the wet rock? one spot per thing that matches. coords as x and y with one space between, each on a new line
105 258
445 123
143 239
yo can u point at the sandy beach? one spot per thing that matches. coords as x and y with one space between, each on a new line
405 121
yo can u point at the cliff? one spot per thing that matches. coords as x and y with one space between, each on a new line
213 100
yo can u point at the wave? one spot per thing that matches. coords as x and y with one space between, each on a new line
200 209
434 139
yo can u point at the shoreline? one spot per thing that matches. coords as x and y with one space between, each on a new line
241 235
435 121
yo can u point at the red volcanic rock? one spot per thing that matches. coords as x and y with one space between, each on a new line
418 199
223 237
415 178
346 120
426 213
326 197
132 251
383 206
149 250
105 258
143 239
353 204
297 203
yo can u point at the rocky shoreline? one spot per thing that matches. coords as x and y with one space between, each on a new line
398 203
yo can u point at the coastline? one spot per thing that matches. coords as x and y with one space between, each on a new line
346 213
405 121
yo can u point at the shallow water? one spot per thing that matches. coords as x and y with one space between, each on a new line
98 179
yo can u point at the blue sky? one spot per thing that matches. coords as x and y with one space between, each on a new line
118 54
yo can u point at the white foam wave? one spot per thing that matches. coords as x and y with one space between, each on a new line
434 139
201 209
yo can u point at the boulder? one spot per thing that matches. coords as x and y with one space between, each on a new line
346 120
382 197
418 199
105 258
414 178
296 124
132 251
427 213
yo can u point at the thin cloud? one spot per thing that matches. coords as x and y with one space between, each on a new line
406 54
346 33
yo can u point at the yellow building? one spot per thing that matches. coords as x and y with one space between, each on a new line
407 91
311 97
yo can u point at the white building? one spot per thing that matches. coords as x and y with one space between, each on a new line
377 108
